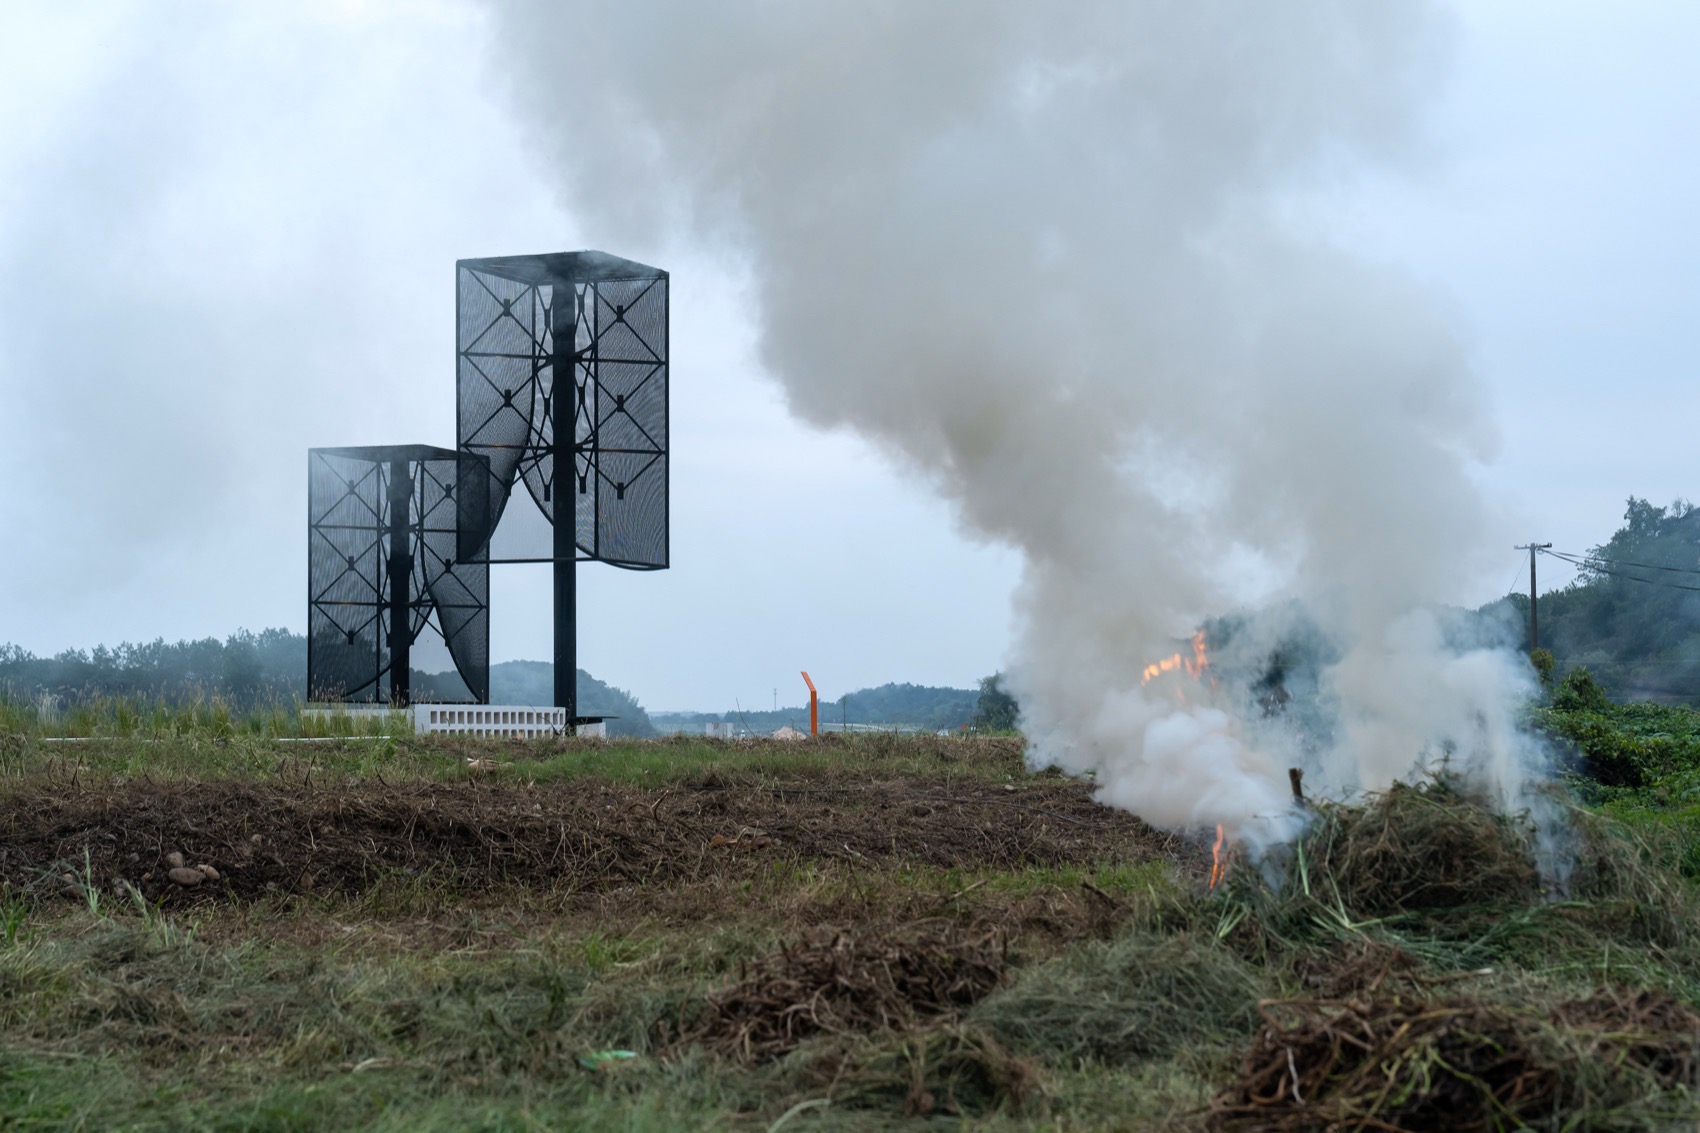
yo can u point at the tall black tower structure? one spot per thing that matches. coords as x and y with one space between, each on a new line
561 384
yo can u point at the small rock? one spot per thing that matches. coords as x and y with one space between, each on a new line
1009 786
185 876
255 838
68 878
208 872
174 860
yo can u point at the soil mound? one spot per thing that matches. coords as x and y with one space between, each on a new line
262 838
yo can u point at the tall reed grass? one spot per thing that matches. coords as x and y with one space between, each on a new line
105 716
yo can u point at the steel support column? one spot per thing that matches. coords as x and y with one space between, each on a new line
400 574
563 406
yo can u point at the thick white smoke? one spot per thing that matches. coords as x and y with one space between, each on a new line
1039 253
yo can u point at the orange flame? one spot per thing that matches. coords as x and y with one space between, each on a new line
1217 870
1194 665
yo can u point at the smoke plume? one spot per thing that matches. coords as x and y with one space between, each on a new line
1046 256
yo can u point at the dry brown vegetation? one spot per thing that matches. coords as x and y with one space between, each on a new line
841 981
568 838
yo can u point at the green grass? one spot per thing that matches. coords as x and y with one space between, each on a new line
120 738
1132 991
112 1023
212 718
1639 764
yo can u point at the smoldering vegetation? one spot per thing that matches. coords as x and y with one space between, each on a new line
1048 262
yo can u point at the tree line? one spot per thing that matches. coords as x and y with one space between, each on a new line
249 670
1631 616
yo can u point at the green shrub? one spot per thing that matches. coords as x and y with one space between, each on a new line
1580 692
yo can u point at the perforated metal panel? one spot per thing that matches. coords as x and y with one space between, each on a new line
394 552
612 347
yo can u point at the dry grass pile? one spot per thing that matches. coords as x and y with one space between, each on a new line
950 1069
1400 1062
1387 1063
838 982
1429 847
1363 968
1632 880
1143 995
1647 1028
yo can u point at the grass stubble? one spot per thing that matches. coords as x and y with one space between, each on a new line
864 933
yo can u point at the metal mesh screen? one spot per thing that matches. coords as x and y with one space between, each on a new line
395 529
509 403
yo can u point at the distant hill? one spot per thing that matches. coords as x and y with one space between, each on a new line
888 706
533 682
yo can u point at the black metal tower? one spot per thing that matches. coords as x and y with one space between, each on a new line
561 364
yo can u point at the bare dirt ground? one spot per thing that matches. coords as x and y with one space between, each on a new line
574 837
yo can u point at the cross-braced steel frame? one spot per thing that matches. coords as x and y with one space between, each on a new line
394 549
597 439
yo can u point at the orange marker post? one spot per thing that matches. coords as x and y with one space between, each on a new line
814 705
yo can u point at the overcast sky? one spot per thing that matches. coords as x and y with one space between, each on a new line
227 234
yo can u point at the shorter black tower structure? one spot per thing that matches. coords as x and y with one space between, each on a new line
395 547
561 383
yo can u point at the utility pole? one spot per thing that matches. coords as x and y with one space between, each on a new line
1534 623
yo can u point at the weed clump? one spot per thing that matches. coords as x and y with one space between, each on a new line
1140 996
841 982
954 1069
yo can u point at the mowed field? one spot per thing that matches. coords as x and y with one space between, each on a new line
874 932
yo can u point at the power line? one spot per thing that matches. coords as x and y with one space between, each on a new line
1589 561
1514 573
1592 565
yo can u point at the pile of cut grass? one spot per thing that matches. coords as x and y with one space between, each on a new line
1142 995
1420 848
842 982
1415 1062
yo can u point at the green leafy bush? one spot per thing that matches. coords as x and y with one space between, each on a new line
1623 745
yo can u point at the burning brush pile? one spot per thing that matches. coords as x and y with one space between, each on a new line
1433 947
1410 959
